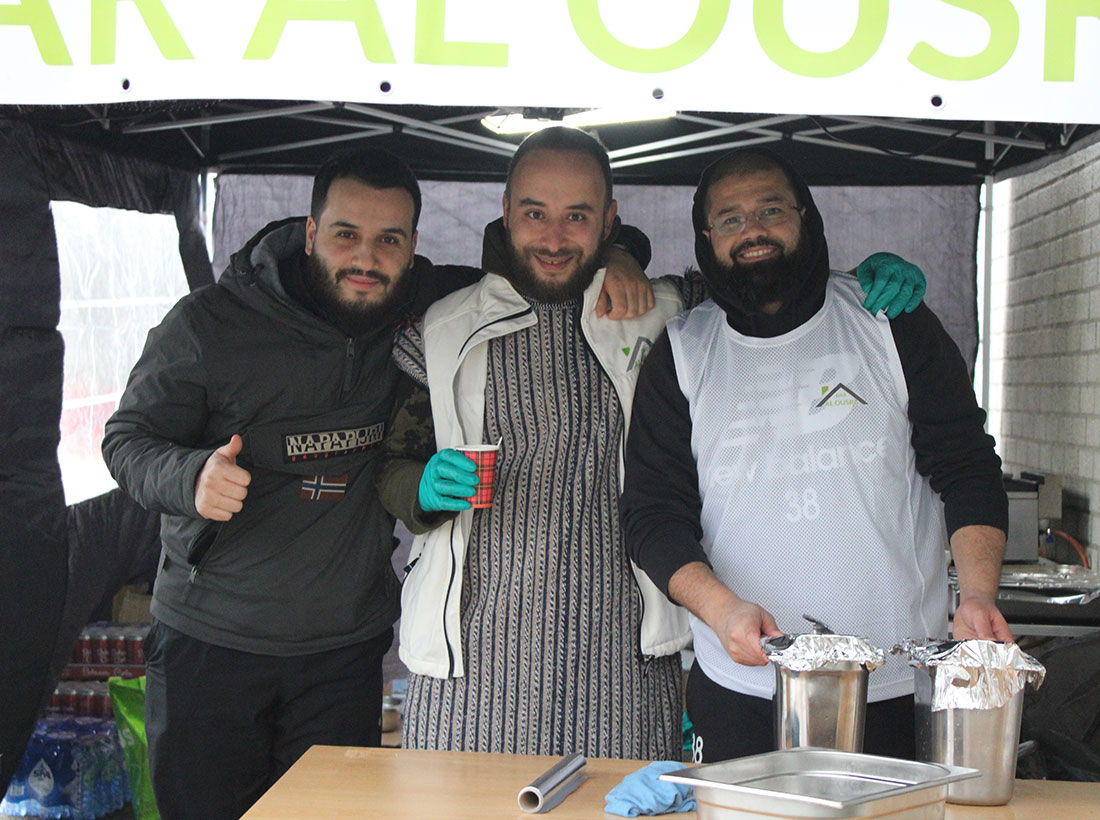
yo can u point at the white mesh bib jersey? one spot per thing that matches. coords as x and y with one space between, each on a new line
812 502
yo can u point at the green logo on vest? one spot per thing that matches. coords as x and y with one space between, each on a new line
641 349
839 396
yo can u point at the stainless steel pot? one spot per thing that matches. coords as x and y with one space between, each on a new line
983 739
821 688
823 707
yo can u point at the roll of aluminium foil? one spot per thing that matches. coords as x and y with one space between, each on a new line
553 785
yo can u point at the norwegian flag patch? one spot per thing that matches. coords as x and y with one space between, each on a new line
323 487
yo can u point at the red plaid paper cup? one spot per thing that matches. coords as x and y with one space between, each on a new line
485 457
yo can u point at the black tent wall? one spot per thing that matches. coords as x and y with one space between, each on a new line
36 168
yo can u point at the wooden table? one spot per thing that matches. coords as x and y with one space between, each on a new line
344 782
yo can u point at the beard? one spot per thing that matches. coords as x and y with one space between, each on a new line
524 279
769 281
353 317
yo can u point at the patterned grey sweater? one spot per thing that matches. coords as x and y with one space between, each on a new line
550 611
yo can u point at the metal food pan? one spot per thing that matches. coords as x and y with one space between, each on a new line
810 783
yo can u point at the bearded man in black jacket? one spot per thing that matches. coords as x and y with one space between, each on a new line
250 423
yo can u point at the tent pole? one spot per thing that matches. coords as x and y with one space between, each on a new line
687 152
427 125
359 133
986 136
987 276
714 133
256 114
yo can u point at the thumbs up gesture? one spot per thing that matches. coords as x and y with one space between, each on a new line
222 485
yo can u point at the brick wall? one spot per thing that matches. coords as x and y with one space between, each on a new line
1045 346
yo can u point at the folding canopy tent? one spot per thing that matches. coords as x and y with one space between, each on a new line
450 143
120 106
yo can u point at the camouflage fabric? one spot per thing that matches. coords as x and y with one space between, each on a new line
409 443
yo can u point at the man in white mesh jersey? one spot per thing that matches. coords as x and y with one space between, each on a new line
785 455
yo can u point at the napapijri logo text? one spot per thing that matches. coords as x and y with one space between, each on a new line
325 443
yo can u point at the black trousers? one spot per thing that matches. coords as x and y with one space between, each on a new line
224 725
729 724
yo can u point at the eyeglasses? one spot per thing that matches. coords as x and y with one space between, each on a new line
768 216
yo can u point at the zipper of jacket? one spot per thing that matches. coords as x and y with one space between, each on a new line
349 356
193 575
647 660
197 568
446 604
454 562
198 551
490 324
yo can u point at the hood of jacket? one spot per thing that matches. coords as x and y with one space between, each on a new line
810 294
253 273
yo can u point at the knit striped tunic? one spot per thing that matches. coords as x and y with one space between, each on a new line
550 609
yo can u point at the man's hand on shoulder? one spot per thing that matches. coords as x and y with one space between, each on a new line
891 284
221 487
627 292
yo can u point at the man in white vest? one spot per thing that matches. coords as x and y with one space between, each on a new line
526 627
788 454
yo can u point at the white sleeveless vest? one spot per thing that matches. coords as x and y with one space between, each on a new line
811 498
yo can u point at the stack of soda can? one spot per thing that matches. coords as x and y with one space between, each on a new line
83 698
105 649
72 768
102 651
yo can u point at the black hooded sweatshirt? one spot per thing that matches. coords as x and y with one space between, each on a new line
661 505
809 296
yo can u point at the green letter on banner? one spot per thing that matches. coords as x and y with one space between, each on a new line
1004 33
277 13
160 25
432 49
589 26
43 25
767 16
1060 48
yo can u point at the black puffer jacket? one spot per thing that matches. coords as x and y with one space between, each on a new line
305 566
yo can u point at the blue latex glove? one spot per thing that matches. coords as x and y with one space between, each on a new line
642 793
891 284
449 479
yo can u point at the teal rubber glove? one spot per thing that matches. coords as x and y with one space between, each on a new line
449 479
891 284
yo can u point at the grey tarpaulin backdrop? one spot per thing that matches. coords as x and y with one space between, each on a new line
932 226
